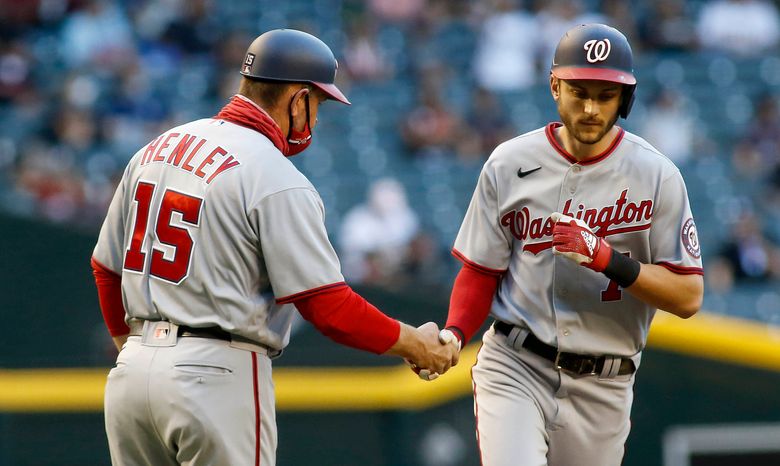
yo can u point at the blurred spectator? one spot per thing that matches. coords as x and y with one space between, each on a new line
16 16
15 70
76 131
555 17
623 16
741 27
363 58
666 27
669 126
764 131
48 176
375 235
26 116
719 276
752 256
229 51
195 29
425 264
432 126
99 35
133 113
398 11
488 121
748 164
506 52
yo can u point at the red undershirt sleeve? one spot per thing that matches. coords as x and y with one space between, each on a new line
109 286
347 318
472 296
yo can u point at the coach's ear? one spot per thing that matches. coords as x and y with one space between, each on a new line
555 87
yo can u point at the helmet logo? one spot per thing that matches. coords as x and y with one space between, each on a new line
598 50
250 58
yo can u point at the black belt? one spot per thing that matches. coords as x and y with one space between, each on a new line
579 364
136 327
204 332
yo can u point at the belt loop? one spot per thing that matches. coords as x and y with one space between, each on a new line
611 367
517 337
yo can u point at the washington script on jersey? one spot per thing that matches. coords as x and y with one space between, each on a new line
176 156
522 226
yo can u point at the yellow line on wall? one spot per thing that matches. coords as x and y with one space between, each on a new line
391 388
52 390
726 339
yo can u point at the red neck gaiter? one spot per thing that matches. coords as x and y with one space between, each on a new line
244 112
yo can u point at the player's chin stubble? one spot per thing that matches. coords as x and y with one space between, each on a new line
584 137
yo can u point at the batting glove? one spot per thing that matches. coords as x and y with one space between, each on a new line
573 239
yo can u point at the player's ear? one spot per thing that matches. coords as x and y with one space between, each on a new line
298 101
555 87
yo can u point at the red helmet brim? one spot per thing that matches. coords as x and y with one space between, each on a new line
332 92
597 74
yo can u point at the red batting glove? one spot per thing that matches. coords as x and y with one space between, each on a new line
573 239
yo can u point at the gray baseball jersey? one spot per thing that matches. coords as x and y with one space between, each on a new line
210 226
201 228
527 412
631 195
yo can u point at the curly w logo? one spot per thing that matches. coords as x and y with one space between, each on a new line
598 50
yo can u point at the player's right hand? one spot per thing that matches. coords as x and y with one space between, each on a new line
573 239
440 351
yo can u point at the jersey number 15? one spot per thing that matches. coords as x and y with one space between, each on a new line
175 269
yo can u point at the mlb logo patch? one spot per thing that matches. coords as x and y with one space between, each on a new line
161 333
247 66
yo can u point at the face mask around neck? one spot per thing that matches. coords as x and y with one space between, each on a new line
298 141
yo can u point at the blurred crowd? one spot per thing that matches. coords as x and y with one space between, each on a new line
84 83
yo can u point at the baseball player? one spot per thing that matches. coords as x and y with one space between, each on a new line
576 233
211 241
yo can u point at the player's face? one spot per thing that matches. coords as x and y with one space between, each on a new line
587 108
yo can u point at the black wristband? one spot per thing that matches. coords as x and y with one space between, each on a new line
622 269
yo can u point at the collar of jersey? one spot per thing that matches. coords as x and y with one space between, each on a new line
242 111
549 130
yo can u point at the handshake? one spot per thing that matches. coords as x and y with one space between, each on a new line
429 351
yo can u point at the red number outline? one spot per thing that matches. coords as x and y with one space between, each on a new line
176 269
135 258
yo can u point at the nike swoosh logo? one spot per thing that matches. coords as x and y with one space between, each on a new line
523 174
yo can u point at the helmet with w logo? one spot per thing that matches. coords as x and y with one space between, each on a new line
599 52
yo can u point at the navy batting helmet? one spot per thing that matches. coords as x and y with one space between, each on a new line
600 52
287 55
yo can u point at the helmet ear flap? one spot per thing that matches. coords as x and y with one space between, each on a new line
626 101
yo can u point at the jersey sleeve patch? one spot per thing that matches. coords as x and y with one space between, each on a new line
690 239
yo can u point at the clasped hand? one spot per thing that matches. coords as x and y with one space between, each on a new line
440 350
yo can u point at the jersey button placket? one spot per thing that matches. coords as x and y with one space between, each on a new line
568 187
572 180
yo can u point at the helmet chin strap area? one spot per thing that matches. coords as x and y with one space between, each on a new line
298 141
